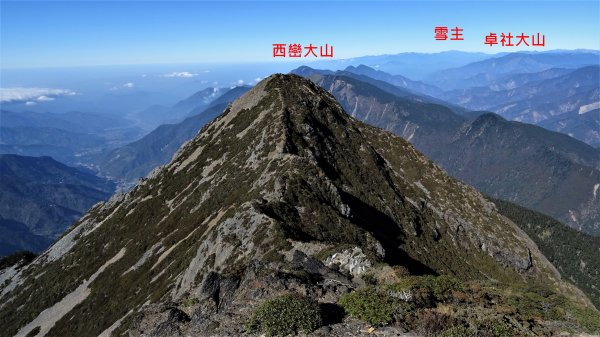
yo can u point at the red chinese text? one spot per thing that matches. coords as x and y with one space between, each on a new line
510 40
441 33
296 50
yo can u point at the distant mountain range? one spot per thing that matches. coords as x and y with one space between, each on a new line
536 100
411 64
542 170
40 198
487 71
559 99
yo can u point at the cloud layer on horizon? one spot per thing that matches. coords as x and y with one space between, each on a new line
8 95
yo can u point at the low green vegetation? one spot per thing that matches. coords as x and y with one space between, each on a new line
370 304
587 317
437 288
443 306
285 315
481 329
456 331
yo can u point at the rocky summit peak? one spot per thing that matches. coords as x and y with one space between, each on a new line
283 192
280 95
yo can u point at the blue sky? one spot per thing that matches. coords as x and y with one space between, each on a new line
53 34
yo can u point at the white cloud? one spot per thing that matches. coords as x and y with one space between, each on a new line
29 94
215 92
181 74
256 80
44 98
127 85
240 83
30 103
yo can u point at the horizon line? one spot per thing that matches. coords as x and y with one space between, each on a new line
302 61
